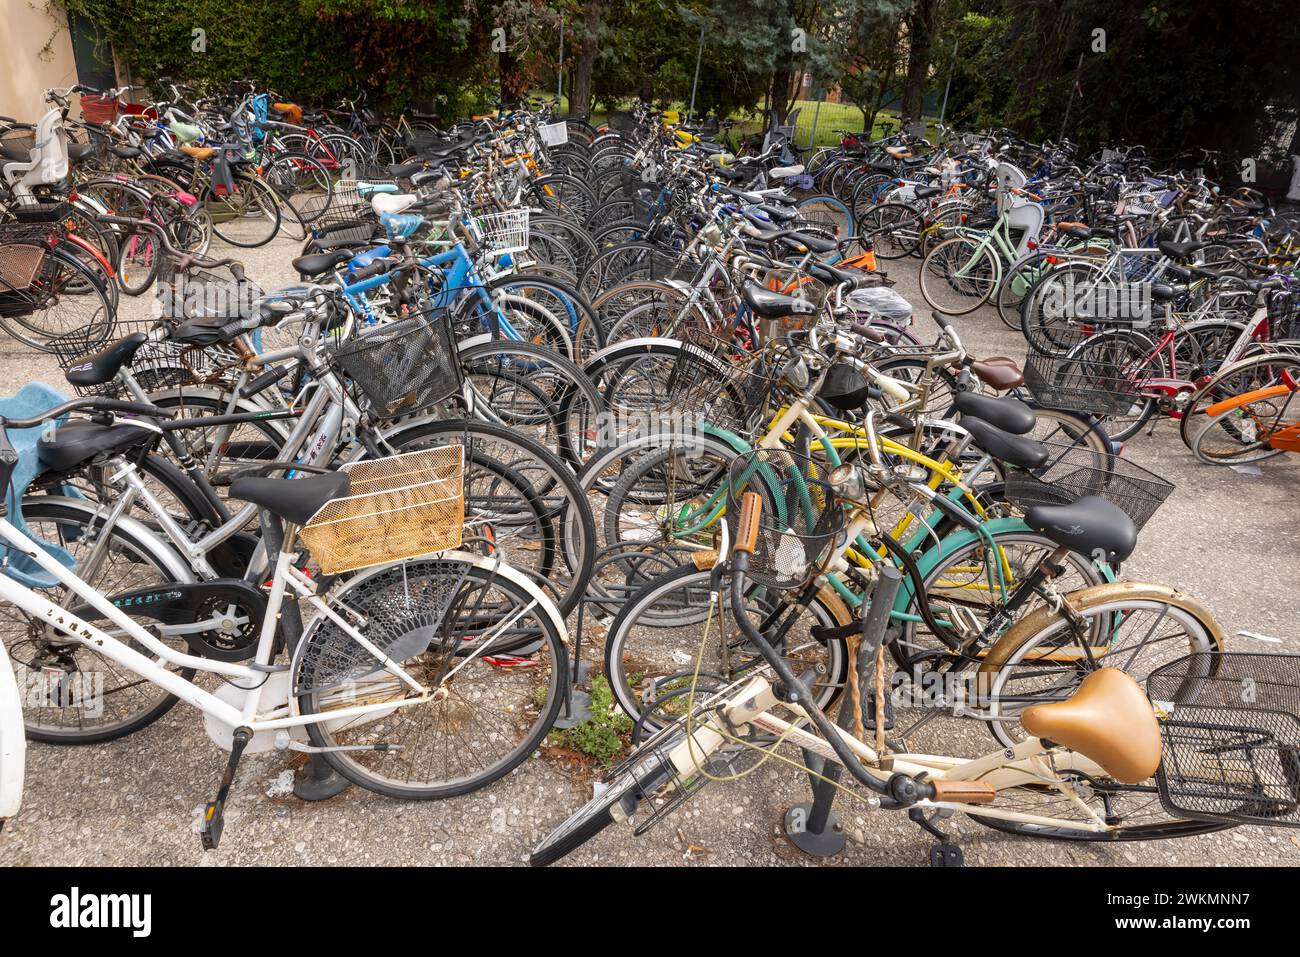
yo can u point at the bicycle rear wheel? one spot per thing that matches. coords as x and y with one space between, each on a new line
478 637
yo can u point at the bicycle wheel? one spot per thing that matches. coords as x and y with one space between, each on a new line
63 296
1241 435
653 645
302 181
965 585
485 644
248 216
97 699
521 502
893 228
537 392
1133 626
958 275
644 773
1245 375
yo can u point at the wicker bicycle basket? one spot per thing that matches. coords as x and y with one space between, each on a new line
401 507
1073 471
1231 737
800 519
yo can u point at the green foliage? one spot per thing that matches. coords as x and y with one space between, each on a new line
604 734
1173 74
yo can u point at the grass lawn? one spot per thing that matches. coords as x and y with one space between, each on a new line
833 116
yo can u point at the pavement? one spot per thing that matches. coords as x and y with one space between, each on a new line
1227 537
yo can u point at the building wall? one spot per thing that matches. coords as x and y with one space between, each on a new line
24 73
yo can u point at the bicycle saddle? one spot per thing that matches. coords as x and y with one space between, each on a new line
76 442
1000 373
1180 250
1008 414
403 170
318 263
100 367
1109 720
1002 445
1089 526
925 192
198 152
834 275
392 202
775 305
294 500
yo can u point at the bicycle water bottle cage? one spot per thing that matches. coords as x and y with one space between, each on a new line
31 400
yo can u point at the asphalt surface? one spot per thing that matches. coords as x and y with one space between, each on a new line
1227 537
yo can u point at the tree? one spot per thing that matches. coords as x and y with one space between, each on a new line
922 27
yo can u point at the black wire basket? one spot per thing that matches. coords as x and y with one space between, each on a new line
404 366
1073 471
1231 737
800 520
1086 384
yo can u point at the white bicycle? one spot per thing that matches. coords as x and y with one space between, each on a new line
425 672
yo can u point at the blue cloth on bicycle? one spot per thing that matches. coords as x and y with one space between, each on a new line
33 399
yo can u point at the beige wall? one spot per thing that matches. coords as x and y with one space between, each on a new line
24 73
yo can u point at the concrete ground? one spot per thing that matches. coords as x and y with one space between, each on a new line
1227 537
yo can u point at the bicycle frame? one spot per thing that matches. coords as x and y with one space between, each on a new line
752 705
279 715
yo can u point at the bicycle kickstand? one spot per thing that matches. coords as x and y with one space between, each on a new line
214 813
945 853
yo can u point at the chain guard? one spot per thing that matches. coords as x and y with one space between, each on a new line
184 603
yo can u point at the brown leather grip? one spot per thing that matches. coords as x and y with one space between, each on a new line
751 508
964 792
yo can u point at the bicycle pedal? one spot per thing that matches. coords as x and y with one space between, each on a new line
214 814
210 828
946 855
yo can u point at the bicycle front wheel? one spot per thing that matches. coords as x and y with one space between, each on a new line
959 275
247 216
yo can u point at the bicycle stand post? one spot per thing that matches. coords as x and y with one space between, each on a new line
319 781
813 826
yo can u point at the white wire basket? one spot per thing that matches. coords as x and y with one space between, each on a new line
555 134
504 232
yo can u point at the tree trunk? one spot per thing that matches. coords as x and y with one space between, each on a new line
886 77
922 26
782 78
585 62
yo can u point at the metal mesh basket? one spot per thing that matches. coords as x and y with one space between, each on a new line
1073 471
400 507
158 364
403 366
505 231
800 520
42 212
1082 384
1284 315
1231 737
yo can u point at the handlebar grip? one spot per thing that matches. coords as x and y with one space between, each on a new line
964 792
751 509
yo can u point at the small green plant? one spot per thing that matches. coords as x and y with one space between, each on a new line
603 734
